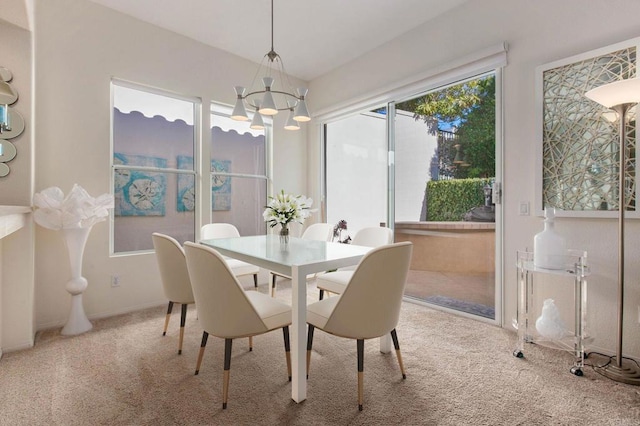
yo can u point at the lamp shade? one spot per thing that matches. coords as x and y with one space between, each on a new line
291 124
302 113
257 123
268 105
616 93
239 113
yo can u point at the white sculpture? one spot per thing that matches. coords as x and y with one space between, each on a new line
74 214
550 325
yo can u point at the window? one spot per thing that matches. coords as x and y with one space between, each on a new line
154 172
239 179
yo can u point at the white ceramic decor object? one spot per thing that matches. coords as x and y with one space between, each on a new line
549 247
74 215
75 239
550 325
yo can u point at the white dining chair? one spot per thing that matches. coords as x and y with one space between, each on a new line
211 231
368 308
316 232
335 282
175 278
225 310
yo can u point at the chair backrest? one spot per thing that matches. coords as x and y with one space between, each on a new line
173 269
218 230
223 307
318 232
370 304
374 236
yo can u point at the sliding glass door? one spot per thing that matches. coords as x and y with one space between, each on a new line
426 166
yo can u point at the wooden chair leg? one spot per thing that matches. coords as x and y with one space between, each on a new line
360 344
287 349
205 336
394 337
227 367
250 343
255 280
309 346
183 320
166 319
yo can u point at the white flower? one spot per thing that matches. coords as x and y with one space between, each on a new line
77 210
285 208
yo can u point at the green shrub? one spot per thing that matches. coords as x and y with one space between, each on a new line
449 200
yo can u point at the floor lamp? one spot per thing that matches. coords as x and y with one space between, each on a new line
620 96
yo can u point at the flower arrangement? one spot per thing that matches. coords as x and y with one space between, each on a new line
77 210
285 208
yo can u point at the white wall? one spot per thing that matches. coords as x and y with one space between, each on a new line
17 325
537 33
79 46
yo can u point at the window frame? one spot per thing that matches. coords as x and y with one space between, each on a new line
195 172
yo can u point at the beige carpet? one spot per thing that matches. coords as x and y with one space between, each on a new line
459 372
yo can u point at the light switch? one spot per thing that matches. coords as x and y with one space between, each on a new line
524 208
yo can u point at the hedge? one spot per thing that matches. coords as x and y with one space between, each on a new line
449 200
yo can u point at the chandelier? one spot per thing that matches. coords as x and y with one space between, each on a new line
269 99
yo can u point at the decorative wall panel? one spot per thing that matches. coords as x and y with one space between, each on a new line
579 164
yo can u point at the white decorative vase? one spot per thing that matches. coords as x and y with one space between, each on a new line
549 247
75 239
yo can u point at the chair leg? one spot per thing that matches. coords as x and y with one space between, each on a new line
255 280
205 336
273 285
250 343
360 344
287 349
166 319
321 294
227 367
309 345
396 345
183 320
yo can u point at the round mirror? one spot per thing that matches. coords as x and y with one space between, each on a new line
5 74
17 125
7 151
8 94
4 170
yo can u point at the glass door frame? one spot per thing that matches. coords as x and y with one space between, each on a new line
391 145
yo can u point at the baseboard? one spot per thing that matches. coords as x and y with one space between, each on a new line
106 314
18 347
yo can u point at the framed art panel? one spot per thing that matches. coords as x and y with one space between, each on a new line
220 185
578 158
139 192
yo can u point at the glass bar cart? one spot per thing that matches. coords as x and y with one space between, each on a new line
529 308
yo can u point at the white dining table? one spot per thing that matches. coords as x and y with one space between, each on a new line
297 259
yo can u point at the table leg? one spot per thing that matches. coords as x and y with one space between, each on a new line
298 335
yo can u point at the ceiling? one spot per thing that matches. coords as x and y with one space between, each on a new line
313 37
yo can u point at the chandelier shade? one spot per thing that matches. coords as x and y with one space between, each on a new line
273 96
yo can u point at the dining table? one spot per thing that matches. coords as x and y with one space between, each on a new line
297 259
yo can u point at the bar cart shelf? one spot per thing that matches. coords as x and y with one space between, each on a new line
575 269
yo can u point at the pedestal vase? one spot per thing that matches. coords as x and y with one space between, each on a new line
75 240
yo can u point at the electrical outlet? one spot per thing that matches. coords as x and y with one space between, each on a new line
115 281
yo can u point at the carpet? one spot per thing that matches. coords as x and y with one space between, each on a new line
460 305
459 372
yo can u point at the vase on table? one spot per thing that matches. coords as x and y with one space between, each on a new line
284 234
75 240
